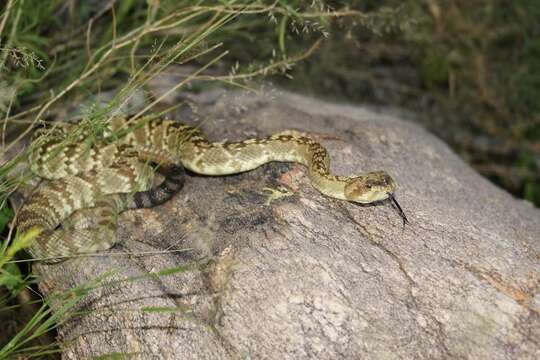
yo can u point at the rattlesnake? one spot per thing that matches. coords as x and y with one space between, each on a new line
107 172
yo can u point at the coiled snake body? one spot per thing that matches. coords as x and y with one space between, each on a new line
87 186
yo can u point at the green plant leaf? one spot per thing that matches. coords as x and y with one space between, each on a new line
11 278
6 214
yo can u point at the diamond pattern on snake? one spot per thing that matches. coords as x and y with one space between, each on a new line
87 186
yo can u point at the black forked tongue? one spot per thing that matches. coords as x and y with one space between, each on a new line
400 210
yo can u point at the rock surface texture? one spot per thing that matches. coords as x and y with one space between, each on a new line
275 270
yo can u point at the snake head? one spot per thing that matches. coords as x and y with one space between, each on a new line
373 186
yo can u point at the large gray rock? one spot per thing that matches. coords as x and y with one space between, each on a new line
304 276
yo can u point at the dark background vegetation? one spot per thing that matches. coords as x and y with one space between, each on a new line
469 71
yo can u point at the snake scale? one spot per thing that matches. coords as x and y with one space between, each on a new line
88 185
